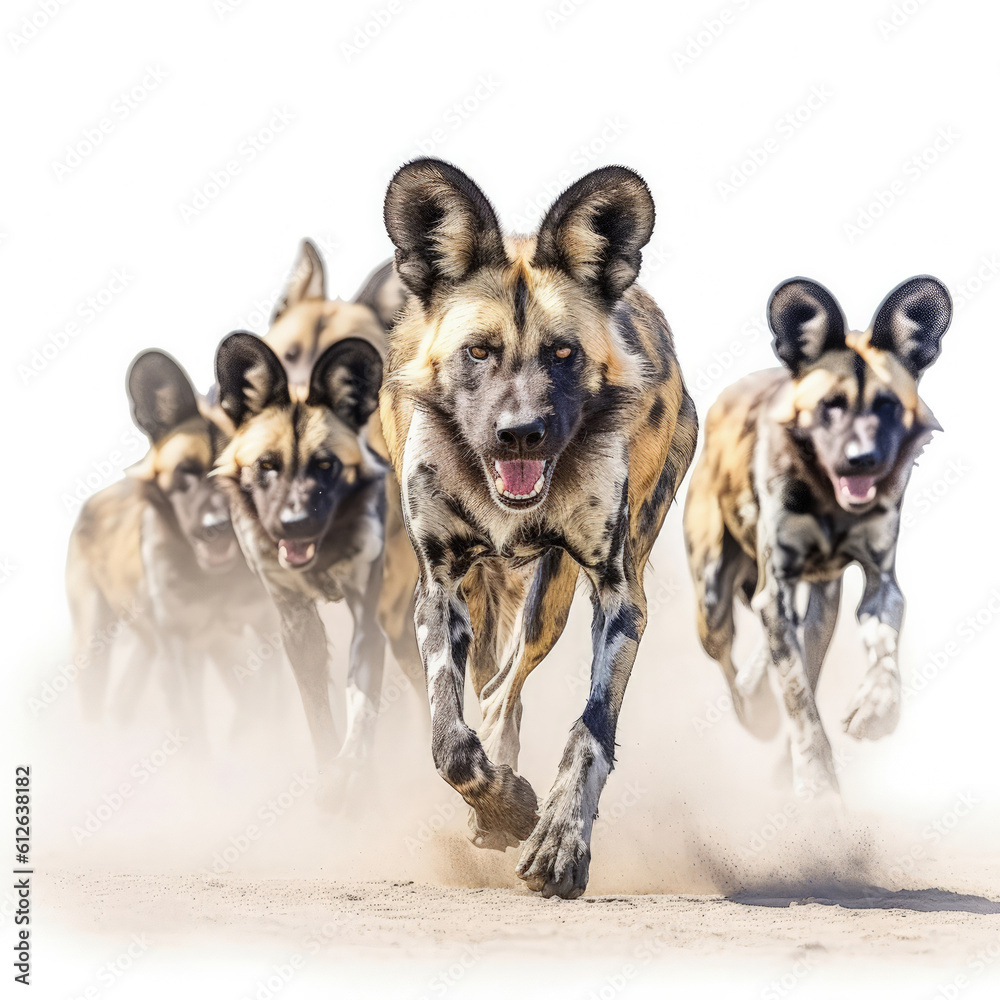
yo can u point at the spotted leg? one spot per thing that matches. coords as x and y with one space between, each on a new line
874 709
504 802
555 860
812 757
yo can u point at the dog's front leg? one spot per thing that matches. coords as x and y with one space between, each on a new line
874 710
556 858
365 668
505 804
304 638
812 758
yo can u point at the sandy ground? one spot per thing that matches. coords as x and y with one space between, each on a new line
410 939
164 873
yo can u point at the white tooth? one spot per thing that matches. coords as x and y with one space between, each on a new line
499 485
496 464
311 551
540 483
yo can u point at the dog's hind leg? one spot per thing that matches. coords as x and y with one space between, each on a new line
397 599
539 621
720 569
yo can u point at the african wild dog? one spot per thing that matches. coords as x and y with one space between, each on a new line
536 416
802 474
155 555
308 492
304 324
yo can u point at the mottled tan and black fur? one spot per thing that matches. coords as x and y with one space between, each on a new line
535 413
315 500
154 555
305 323
803 473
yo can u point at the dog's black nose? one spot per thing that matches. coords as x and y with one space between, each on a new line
296 523
863 461
522 436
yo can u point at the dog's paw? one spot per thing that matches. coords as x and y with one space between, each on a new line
751 675
814 778
555 860
874 710
506 813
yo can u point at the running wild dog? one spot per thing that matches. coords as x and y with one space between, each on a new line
536 416
304 324
315 504
803 473
156 552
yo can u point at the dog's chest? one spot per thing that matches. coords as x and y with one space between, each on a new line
822 546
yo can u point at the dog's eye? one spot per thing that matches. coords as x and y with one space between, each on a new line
267 465
563 352
479 353
324 464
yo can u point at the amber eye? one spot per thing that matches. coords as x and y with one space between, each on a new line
562 353
325 464
479 353
266 465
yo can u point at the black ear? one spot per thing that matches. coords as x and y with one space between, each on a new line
250 377
307 281
911 321
346 378
443 226
596 231
160 394
384 293
806 322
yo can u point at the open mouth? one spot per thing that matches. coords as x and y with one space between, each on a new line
853 491
520 482
216 554
297 553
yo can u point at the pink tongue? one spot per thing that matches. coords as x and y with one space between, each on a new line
857 486
519 477
296 552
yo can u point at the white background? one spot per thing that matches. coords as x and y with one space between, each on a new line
752 186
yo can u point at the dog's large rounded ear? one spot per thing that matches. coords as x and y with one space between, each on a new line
806 321
160 394
250 377
443 226
596 230
346 378
384 293
307 280
911 321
